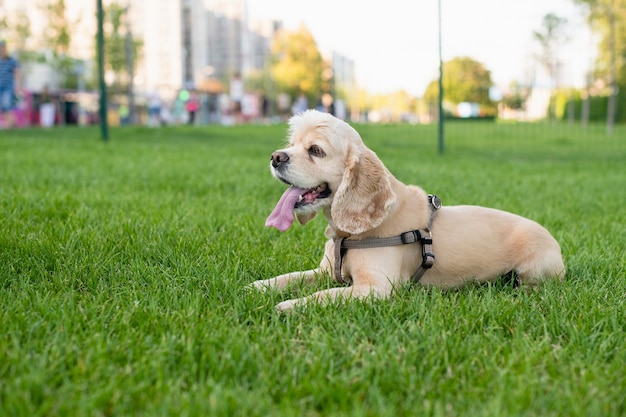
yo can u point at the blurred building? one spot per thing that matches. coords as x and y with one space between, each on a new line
158 24
185 42
197 43
343 73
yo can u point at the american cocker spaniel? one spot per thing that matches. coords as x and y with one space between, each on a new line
382 232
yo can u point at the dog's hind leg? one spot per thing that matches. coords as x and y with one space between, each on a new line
537 255
511 278
547 264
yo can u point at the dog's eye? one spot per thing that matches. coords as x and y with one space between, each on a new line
316 151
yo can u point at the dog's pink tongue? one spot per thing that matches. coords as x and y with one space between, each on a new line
282 216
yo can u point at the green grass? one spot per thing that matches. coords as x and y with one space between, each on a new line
123 266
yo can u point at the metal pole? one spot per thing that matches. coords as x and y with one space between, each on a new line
611 108
130 70
440 87
104 128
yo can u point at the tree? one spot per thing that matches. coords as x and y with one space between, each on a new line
551 38
297 65
116 51
3 18
601 15
114 41
17 29
57 39
21 31
608 18
464 80
516 98
57 36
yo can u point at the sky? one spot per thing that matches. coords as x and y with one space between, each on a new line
394 43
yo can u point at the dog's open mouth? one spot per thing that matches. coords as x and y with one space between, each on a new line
294 198
321 191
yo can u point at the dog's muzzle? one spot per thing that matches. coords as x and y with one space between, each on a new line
279 159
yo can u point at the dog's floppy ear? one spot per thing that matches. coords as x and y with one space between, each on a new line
364 196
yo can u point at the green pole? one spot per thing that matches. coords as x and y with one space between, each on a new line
440 87
104 128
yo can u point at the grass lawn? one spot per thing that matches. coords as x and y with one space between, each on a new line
123 266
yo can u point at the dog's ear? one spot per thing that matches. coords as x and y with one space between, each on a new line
364 196
304 218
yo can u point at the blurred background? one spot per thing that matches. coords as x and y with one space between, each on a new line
258 61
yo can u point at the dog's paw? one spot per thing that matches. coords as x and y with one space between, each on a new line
260 285
287 306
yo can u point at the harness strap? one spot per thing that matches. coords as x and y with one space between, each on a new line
340 250
424 236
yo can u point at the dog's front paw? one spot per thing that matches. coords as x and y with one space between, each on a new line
287 306
260 285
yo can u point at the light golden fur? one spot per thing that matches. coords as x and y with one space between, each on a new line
470 243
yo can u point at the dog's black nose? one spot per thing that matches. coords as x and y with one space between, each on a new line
279 158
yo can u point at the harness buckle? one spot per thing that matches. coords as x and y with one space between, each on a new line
410 237
428 257
428 260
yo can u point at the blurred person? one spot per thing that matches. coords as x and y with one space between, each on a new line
300 105
179 111
236 96
319 106
10 84
46 108
123 112
283 102
212 108
328 103
340 109
166 117
154 108
249 107
192 106
226 110
264 104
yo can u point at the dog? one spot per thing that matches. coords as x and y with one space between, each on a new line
329 169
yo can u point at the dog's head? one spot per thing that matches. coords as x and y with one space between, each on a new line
328 166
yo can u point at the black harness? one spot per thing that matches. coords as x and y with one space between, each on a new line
423 236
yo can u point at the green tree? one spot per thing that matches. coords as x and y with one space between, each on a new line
16 28
517 96
114 41
297 64
21 31
116 47
602 14
57 39
464 80
608 19
57 35
3 17
551 38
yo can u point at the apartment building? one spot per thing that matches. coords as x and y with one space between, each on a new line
185 42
